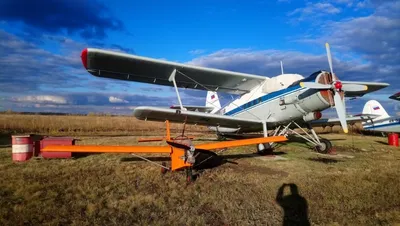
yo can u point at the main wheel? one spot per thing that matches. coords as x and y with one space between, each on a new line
220 137
164 170
264 149
324 147
189 175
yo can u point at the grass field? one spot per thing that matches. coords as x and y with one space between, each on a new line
83 125
359 186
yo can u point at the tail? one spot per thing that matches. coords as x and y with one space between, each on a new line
213 101
375 108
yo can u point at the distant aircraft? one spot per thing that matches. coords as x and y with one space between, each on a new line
383 122
395 96
281 103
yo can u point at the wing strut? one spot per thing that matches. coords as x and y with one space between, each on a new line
172 79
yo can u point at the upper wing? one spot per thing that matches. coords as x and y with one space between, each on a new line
129 67
194 108
372 87
191 117
336 121
395 96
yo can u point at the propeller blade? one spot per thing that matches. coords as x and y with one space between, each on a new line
354 87
328 53
341 111
314 85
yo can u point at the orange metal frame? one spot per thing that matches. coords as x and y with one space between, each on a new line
177 155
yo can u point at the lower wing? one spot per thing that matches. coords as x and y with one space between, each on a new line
192 117
336 121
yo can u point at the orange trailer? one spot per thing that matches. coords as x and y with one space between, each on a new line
182 152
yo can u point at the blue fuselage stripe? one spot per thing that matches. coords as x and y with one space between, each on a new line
382 125
264 99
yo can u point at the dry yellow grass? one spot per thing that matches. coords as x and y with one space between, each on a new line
76 125
105 190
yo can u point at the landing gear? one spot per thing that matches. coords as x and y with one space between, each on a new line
264 149
321 145
220 137
324 146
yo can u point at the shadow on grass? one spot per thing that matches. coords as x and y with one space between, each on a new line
205 159
5 140
294 205
381 142
324 160
252 155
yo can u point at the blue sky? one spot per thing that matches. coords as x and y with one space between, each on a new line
40 45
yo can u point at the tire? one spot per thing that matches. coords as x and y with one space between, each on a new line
163 170
220 137
324 147
264 149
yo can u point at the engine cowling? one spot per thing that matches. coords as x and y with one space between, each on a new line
312 116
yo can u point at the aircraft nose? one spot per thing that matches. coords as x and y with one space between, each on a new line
84 57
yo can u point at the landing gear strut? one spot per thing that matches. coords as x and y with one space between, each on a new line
321 145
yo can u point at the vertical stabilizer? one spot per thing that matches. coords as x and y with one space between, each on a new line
213 101
375 108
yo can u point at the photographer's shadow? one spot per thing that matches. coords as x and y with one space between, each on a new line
294 206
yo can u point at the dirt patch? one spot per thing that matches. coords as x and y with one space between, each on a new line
245 167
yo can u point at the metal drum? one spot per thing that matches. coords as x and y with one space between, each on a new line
22 148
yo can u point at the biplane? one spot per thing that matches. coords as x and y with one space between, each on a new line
275 106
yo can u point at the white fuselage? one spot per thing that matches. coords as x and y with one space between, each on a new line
279 100
389 125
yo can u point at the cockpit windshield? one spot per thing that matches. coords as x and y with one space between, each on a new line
310 78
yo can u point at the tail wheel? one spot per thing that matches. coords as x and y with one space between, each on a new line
324 147
264 149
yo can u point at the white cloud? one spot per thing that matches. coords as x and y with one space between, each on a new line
362 4
314 10
348 3
196 51
42 99
267 63
116 100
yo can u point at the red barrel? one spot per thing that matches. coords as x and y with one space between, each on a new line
393 139
22 148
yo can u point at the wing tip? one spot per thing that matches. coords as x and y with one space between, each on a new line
84 57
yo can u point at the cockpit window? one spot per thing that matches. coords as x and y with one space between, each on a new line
310 78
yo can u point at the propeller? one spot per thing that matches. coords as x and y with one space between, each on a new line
336 87
345 87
